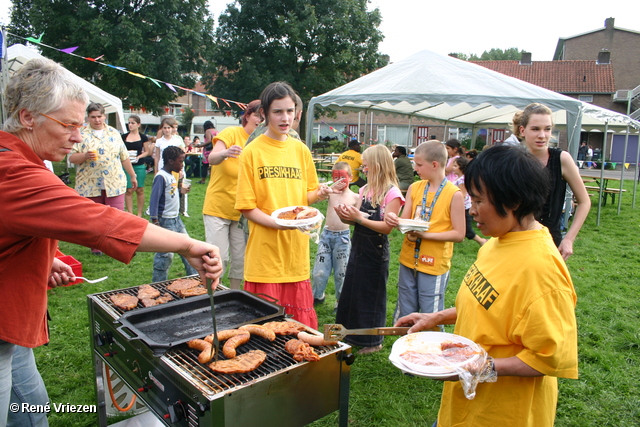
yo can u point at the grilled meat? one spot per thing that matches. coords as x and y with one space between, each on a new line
205 350
181 284
242 364
301 351
260 331
290 214
192 292
147 292
285 328
225 335
124 301
229 347
150 302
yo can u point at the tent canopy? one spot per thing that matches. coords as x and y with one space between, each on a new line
18 54
449 90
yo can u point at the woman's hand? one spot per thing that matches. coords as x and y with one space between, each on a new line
348 213
205 258
233 152
61 274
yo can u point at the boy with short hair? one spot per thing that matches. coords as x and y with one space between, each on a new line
164 205
334 245
425 257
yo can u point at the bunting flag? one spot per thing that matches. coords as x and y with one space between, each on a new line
172 87
68 50
626 165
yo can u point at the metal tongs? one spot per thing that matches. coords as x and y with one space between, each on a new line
215 348
335 332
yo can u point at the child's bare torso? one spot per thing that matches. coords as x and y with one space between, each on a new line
347 197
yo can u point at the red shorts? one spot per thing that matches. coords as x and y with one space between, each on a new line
295 297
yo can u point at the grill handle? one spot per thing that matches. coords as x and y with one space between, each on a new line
122 330
265 296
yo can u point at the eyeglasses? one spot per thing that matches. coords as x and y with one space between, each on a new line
70 128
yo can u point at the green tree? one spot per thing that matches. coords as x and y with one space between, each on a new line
315 45
167 40
491 55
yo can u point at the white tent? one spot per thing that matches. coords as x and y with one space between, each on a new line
18 54
442 88
449 90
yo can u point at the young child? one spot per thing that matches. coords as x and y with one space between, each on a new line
425 257
363 301
164 206
335 244
277 171
459 166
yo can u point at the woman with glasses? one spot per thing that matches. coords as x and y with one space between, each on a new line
45 111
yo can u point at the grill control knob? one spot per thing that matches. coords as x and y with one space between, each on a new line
143 389
176 412
110 354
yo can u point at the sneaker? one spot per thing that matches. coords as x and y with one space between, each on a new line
185 214
318 301
147 213
370 350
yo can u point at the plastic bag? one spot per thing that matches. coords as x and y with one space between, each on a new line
479 370
313 229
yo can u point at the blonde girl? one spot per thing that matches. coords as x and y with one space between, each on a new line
363 301
533 126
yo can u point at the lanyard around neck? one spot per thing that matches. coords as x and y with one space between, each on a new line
425 215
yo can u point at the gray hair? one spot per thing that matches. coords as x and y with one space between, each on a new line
40 87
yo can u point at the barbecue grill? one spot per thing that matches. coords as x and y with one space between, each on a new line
166 376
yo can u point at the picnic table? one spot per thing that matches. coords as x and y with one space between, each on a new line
606 190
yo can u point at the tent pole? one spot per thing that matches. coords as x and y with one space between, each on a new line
364 138
624 160
358 131
309 129
409 138
604 150
636 176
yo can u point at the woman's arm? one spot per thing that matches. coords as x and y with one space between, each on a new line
514 367
571 174
145 150
427 321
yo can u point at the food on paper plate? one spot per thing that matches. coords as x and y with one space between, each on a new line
124 302
442 354
260 331
229 348
242 364
285 328
301 351
299 212
192 292
205 350
315 340
182 284
147 292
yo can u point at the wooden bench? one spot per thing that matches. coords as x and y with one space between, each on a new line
607 192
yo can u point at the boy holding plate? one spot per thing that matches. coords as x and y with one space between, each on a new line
425 257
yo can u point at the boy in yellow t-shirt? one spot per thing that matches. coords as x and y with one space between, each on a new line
425 257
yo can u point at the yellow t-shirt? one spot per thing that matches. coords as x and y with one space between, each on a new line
435 256
517 299
221 192
275 174
355 161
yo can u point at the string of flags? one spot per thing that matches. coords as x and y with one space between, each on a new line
336 130
157 82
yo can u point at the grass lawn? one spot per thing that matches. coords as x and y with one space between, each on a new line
606 274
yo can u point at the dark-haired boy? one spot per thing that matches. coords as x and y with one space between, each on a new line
164 209
425 257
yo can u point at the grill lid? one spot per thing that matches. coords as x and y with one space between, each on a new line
168 325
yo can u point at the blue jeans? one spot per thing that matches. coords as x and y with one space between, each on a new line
20 382
162 260
333 253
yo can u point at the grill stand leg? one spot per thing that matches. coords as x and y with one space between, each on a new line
100 396
343 419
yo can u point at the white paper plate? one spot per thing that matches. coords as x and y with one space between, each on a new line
412 225
295 223
421 341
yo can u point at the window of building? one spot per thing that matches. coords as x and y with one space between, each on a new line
585 98
382 134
